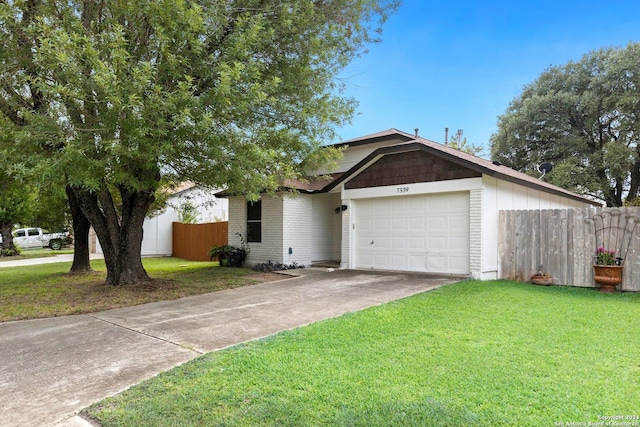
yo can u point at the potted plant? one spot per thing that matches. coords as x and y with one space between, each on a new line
607 270
221 253
541 278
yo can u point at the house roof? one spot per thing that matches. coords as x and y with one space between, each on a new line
313 184
448 153
411 142
385 135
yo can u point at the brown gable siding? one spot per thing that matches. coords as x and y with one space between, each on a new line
409 168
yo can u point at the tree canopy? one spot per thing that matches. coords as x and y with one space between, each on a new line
584 118
119 97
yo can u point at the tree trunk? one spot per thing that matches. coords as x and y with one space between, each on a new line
120 235
81 227
7 237
634 187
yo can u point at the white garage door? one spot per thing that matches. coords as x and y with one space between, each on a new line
428 233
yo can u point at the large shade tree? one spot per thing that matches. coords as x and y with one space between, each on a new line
120 97
584 118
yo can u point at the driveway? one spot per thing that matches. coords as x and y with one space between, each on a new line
52 368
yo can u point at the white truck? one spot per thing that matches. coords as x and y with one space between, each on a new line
38 238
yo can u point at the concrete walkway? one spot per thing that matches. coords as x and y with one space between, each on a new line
44 260
50 369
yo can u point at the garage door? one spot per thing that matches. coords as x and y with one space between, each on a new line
428 233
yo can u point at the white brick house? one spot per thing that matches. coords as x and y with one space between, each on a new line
396 202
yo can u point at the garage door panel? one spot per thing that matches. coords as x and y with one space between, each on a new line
414 233
381 258
418 242
366 224
416 263
457 204
458 262
437 242
399 261
437 263
382 224
437 222
399 243
399 224
417 223
460 243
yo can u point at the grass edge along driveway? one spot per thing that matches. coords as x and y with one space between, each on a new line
48 290
471 353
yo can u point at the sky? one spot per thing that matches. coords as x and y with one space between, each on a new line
458 64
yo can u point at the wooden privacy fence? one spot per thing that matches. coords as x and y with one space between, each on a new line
193 241
563 242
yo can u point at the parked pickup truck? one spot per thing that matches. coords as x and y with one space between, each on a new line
39 238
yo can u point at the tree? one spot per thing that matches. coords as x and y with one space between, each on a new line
121 96
16 204
17 198
474 150
583 117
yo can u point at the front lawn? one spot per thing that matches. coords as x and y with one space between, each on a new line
472 353
49 290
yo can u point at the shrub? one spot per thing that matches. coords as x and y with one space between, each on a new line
268 267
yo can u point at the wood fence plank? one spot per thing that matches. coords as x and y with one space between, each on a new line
193 241
564 242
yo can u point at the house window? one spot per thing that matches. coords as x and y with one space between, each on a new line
254 221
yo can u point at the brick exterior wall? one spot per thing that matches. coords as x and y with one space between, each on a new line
271 246
297 233
285 224
346 235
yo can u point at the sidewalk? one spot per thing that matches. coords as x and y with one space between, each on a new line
44 260
50 369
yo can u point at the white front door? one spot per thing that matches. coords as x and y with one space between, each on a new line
425 233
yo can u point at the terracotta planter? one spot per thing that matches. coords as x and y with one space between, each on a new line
607 276
537 279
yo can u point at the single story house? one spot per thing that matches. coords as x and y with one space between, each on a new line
396 202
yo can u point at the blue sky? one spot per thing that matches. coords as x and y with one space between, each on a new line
458 64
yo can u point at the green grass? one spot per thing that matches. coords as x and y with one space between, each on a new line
49 290
472 353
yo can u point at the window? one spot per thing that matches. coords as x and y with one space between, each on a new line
33 232
20 233
254 221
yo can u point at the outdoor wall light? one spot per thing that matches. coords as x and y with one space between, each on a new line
343 207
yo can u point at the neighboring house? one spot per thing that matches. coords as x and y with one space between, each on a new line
396 202
157 230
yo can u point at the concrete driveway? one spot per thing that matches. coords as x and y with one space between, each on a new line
52 368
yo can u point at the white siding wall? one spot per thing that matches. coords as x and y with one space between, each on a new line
157 237
210 208
326 227
502 195
158 230
354 154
